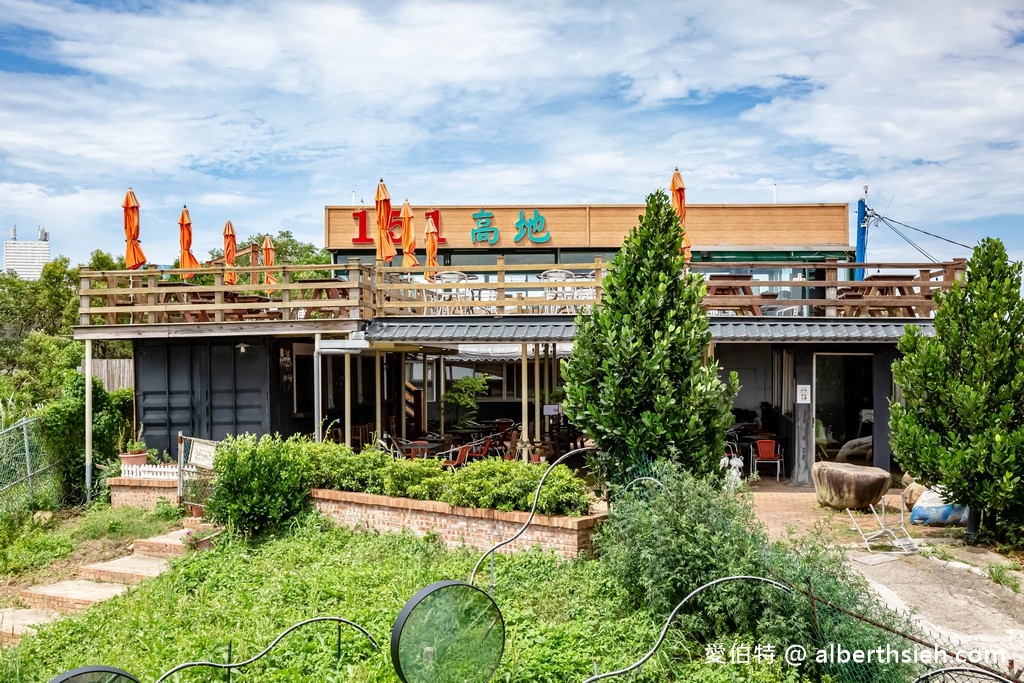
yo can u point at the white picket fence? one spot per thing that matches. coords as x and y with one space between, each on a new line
154 471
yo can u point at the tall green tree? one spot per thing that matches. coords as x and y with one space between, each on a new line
961 425
640 383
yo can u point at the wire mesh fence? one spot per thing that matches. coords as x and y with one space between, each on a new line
27 476
195 469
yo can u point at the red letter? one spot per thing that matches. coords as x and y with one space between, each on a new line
361 238
436 215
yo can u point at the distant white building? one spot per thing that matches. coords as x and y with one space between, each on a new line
26 257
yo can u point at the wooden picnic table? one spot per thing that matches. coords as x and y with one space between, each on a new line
891 287
722 284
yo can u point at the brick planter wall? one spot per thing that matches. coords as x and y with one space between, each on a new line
142 493
477 528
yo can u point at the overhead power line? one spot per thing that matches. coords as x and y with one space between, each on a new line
909 241
925 232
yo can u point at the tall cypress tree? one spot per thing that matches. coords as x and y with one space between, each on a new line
962 422
639 382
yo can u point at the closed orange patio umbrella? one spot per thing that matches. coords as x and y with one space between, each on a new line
268 260
408 237
382 201
678 189
431 246
230 251
187 260
133 256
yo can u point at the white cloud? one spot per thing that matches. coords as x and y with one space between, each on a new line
267 111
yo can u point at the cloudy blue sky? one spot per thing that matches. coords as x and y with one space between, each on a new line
263 112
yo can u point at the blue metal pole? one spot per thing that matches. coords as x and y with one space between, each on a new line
862 237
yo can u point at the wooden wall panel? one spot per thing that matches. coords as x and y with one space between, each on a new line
605 226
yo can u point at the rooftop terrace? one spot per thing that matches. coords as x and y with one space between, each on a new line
339 298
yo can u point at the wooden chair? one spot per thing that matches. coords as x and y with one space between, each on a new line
512 445
768 451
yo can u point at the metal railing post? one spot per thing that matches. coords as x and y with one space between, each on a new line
28 460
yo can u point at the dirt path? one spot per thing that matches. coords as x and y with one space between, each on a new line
953 599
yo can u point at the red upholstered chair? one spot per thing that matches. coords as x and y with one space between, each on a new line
461 455
768 451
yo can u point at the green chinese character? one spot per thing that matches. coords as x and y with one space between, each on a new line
535 228
484 231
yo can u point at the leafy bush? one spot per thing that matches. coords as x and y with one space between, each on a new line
423 479
510 485
462 395
258 483
337 467
660 544
489 483
62 430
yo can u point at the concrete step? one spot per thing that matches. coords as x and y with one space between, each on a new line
167 545
14 623
133 569
70 596
198 523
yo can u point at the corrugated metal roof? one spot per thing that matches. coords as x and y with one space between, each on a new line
811 330
736 329
463 331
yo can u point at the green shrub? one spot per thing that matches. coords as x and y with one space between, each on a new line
258 483
488 483
423 479
510 485
347 471
62 431
660 544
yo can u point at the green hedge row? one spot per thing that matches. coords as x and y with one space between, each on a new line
262 482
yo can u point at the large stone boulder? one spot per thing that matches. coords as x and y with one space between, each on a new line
861 449
912 494
842 485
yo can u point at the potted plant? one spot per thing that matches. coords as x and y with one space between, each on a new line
196 489
133 450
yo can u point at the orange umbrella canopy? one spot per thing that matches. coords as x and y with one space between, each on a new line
268 259
187 260
408 237
678 189
382 201
133 256
431 240
230 251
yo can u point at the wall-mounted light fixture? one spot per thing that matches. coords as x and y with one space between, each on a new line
241 346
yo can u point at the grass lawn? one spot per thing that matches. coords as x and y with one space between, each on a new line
560 616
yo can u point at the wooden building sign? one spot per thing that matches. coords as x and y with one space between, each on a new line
594 226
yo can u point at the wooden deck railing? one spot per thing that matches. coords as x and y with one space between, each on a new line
814 289
295 292
352 291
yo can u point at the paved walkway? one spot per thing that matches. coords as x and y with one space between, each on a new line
956 601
